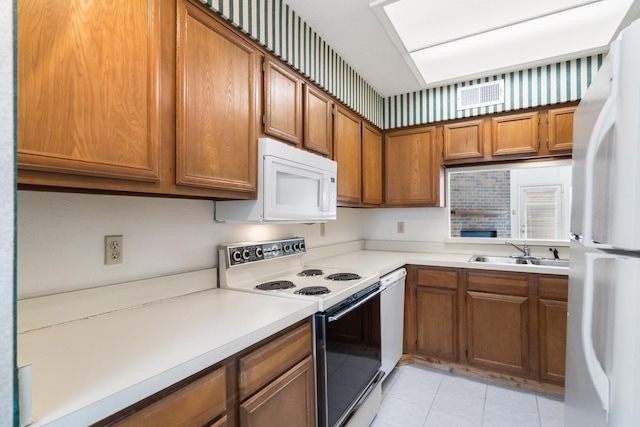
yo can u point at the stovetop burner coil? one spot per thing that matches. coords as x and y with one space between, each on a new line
311 272
276 285
343 276
313 290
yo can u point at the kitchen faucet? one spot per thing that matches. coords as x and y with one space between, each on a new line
524 250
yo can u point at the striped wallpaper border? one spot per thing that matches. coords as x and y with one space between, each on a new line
544 85
277 27
274 25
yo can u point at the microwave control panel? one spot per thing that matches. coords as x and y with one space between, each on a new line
245 253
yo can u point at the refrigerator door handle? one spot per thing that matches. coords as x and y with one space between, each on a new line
605 121
596 373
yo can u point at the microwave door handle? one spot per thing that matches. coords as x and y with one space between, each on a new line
326 186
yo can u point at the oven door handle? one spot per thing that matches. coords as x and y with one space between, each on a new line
348 309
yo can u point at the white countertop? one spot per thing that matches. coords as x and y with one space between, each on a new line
84 370
386 261
95 352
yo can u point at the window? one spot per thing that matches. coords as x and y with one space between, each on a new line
540 212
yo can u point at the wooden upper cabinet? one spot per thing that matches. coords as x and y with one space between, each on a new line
515 134
463 140
371 165
412 174
88 88
318 108
560 129
282 102
218 75
347 152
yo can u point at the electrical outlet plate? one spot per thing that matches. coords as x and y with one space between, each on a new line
113 250
400 226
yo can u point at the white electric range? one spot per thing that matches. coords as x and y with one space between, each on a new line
277 268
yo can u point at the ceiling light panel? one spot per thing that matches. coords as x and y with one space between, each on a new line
421 24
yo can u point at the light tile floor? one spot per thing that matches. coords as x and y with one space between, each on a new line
419 396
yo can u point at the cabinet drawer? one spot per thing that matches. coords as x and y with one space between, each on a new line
265 364
553 287
437 278
508 283
193 405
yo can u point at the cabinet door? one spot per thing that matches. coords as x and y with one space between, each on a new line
317 121
560 129
497 331
282 102
371 165
437 313
218 76
463 140
412 173
347 151
289 400
497 308
88 91
193 405
552 328
515 134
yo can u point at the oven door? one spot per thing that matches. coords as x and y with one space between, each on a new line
347 356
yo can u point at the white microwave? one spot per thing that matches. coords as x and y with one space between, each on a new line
294 186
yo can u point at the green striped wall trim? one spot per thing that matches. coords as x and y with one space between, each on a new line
545 85
274 25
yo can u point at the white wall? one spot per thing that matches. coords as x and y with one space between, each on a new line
420 224
7 191
61 238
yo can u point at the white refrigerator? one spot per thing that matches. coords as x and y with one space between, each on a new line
603 325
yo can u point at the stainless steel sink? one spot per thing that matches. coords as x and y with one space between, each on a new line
517 260
497 259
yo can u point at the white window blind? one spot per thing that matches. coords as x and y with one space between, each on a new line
541 212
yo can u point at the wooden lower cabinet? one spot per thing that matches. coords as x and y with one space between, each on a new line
436 312
272 383
552 326
504 325
293 394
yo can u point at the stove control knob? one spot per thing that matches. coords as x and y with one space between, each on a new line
296 247
236 256
302 245
286 247
259 252
246 254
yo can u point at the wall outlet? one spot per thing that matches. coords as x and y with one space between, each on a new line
400 226
113 250
322 229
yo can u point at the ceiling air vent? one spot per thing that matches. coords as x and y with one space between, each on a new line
481 95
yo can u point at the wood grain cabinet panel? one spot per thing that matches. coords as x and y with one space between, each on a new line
289 400
218 75
88 88
282 102
196 404
515 134
265 364
371 165
560 129
463 140
497 331
318 126
552 327
412 174
347 152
